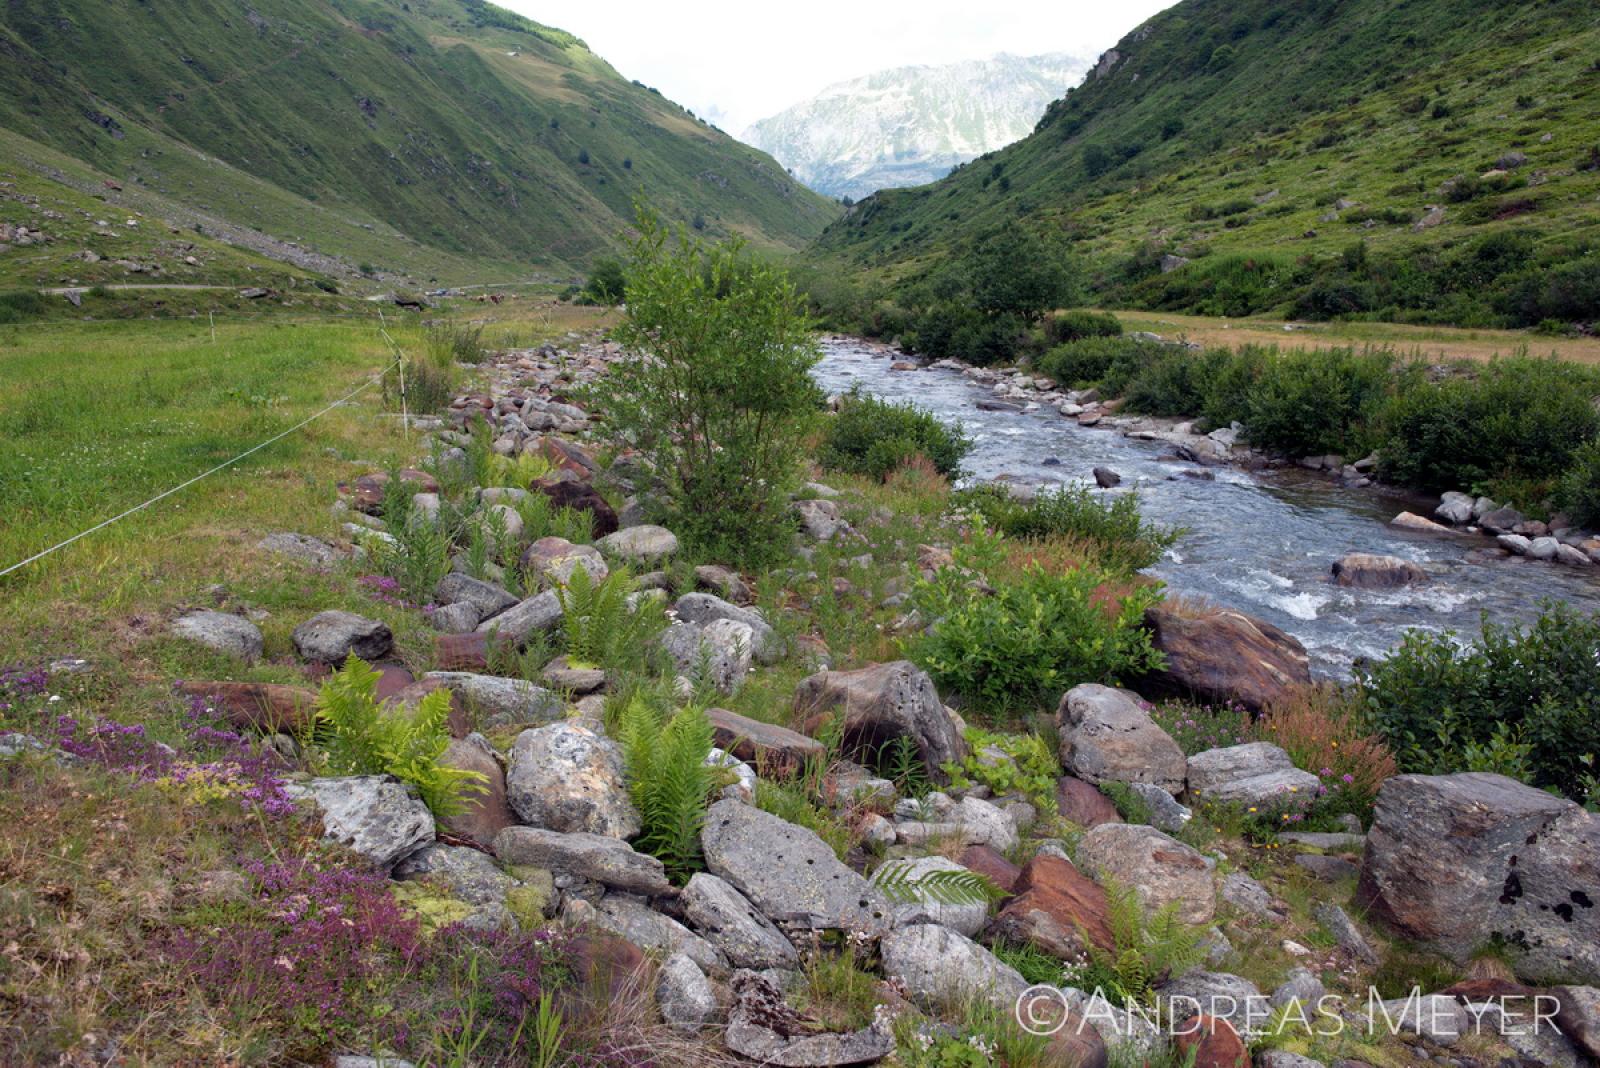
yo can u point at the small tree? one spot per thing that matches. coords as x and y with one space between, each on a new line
1014 271
606 284
718 392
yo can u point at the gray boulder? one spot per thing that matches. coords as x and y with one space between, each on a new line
788 873
1220 995
718 652
222 632
819 519
1166 814
469 874
941 969
595 857
1107 736
632 919
1248 896
331 637
925 906
726 919
706 607
313 551
643 544
501 701
684 995
1455 508
541 612
490 600
1256 773
1282 1058
1159 868
1501 520
565 777
376 816
459 618
880 703
1302 985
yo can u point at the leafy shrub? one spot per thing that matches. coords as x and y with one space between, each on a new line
1579 494
1031 770
719 394
873 437
669 781
20 306
1323 732
607 283
1033 637
1321 401
1108 362
601 630
1076 325
1569 292
1442 708
448 341
961 332
356 734
1122 539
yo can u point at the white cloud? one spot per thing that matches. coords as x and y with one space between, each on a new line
736 61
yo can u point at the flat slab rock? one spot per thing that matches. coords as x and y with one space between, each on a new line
1256 773
788 873
941 969
376 816
608 861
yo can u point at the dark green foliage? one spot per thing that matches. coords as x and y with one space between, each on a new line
1114 526
669 781
606 284
1073 325
1318 401
1108 362
1013 272
20 306
1579 492
1525 702
872 437
959 331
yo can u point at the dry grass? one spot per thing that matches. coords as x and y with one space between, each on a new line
1320 729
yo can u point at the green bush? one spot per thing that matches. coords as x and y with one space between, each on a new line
1519 700
607 283
1579 493
719 393
1322 401
1075 325
954 330
601 630
1107 362
21 305
1114 525
872 437
1032 638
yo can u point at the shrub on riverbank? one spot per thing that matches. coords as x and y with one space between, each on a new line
1520 702
873 437
1114 530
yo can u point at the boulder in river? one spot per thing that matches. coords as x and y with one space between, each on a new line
1219 656
1412 521
1370 571
1105 478
1455 508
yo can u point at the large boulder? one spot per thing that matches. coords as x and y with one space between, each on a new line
1223 656
484 812
1107 736
788 873
222 632
596 857
879 704
1255 773
942 970
718 653
707 608
767 745
725 918
920 904
1158 867
1370 571
489 600
556 559
498 700
330 637
819 519
644 544
1455 508
1458 861
1055 904
565 777
539 613
629 917
376 816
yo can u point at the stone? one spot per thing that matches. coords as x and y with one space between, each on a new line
1344 931
356 1060
1248 896
1328 869
559 675
1572 557
598 858
986 860
724 582
303 547
763 1028
684 995
706 608
1416 523
1303 986
1370 571
923 906
500 701
555 559
485 812
581 497
982 823
330 637
1107 736
376 816
262 706
1501 520
367 492
489 600
1543 548
789 874
1205 1042
1455 861
1159 868
819 519
719 650
1166 814
1084 805
1106 478
1218 995
1455 508
644 544
1054 905
1222 656
655 932
1252 774
465 873
460 618
1579 1018
941 970
741 777
772 748
565 777
726 919
515 625
879 704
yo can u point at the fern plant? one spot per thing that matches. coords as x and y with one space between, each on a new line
601 630
898 883
669 781
1145 950
356 734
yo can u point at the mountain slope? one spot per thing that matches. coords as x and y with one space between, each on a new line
481 141
910 125
1253 126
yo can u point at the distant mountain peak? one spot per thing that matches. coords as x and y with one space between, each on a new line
910 125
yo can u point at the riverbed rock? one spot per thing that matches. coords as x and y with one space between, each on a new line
596 857
1455 861
1255 773
1455 508
1370 571
1107 736
641 545
1220 656
1543 548
1501 520
222 632
330 637
880 703
1515 544
1158 867
1106 478
376 816
1416 523
517 624
565 777
941 969
1572 556
726 919
788 873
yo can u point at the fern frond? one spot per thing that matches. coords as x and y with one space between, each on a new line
900 886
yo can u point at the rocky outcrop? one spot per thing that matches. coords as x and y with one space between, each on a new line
1455 861
1222 656
1107 736
879 704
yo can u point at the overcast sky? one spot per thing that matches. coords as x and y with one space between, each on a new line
736 61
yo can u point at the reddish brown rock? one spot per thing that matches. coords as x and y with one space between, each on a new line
392 678
605 970
1369 571
366 492
770 747
582 497
987 860
262 706
461 652
1084 804
1054 907
485 812
1221 656
1215 1043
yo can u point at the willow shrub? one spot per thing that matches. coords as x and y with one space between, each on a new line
874 437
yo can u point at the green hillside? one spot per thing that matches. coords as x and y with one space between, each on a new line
1266 142
439 138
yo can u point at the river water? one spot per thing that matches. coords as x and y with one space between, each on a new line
1258 542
